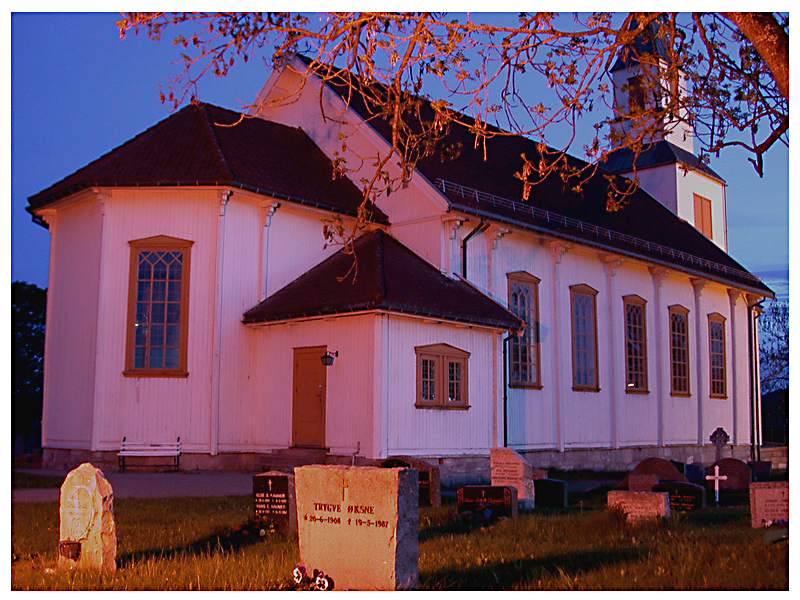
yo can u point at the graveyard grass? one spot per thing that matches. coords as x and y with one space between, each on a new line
210 544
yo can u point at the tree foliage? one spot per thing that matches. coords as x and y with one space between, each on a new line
774 346
521 77
28 303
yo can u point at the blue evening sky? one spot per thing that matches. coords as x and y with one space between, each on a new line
78 91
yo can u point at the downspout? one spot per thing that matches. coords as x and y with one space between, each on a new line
217 390
482 226
752 315
506 342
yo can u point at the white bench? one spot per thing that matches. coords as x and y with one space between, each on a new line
167 449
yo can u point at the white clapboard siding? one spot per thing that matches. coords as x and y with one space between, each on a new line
158 408
72 309
412 430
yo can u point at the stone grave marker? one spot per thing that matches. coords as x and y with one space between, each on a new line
737 472
683 496
539 474
87 534
550 493
484 504
769 503
661 468
761 469
274 501
643 482
510 469
640 507
719 438
430 487
359 525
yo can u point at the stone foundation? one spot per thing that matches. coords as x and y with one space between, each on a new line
455 471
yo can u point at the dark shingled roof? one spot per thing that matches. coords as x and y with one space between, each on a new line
194 148
648 42
484 184
656 154
387 276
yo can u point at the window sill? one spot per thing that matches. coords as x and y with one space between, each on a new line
639 392
585 389
442 406
719 396
154 373
527 386
680 394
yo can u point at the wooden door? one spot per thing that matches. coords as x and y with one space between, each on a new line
308 398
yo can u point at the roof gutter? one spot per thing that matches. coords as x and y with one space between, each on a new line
643 257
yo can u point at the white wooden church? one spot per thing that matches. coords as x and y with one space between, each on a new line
191 295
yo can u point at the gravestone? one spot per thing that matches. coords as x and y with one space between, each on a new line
539 474
769 503
737 472
550 493
484 504
642 482
761 469
430 487
87 534
359 525
661 468
510 469
694 472
274 501
640 507
683 496
719 438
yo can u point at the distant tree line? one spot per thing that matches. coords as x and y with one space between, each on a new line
28 304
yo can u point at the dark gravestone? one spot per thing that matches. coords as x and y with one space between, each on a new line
642 482
683 496
483 504
737 472
695 472
273 500
661 468
550 493
762 469
430 488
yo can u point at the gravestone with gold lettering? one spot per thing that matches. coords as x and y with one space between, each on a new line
359 525
87 535
273 500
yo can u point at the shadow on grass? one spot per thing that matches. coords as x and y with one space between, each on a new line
225 541
508 575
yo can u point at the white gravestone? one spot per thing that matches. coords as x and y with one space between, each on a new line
359 525
87 535
510 469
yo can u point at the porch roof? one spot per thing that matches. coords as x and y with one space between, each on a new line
380 274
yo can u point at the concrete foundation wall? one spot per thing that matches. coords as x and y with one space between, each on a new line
454 470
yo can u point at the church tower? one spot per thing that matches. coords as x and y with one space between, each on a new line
667 167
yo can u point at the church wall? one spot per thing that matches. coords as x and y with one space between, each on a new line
158 409
693 182
266 422
430 431
72 312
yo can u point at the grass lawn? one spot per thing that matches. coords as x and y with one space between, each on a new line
204 544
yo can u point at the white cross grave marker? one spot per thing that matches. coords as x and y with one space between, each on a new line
716 478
